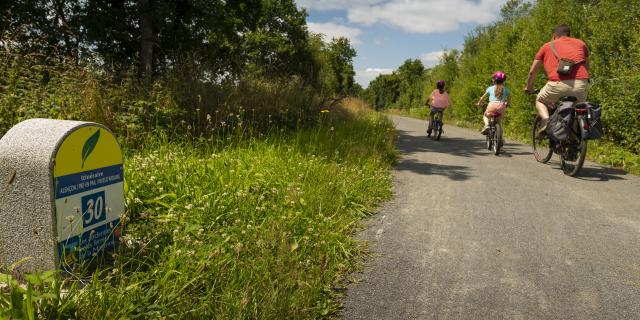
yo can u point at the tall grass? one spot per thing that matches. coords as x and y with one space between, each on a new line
178 103
257 227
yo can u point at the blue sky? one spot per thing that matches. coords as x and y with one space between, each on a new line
387 32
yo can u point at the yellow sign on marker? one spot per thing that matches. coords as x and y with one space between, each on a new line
89 194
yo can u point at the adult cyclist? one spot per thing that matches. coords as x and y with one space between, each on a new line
573 78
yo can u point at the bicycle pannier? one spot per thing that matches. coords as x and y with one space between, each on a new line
560 121
594 112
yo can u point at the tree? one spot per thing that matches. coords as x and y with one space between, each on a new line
410 74
341 56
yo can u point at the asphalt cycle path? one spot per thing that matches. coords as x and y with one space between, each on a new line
470 235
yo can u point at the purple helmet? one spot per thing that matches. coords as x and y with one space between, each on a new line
440 84
499 76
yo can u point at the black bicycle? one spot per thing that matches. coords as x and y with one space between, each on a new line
494 134
436 126
573 149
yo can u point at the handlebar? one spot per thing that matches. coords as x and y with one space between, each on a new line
536 91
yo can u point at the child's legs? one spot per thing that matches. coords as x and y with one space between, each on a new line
485 119
430 120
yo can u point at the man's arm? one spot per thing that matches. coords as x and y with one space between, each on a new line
586 63
533 72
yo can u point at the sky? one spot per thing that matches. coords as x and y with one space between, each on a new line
387 32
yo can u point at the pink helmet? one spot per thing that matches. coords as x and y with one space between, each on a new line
499 76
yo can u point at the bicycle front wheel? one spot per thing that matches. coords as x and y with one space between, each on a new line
540 143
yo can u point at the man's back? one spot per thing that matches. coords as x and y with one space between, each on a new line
568 48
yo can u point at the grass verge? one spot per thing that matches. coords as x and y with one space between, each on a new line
257 228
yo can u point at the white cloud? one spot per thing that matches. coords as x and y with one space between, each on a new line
379 70
431 59
364 76
324 5
334 30
426 16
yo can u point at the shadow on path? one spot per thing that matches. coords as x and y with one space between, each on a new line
460 147
455 173
598 173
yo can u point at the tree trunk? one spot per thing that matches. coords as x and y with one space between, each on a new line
146 40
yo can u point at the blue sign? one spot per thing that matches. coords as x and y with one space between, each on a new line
84 181
89 244
93 209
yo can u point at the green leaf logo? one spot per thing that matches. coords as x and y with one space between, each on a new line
89 145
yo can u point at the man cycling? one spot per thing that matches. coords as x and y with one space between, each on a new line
573 78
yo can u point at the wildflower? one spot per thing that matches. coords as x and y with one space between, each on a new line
324 110
189 206
331 129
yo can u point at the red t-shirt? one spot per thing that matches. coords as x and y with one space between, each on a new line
568 48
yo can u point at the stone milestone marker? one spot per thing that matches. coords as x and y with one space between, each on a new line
61 194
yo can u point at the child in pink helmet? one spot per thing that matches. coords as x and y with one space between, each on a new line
499 98
438 100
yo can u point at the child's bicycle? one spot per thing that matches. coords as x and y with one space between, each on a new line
494 134
436 126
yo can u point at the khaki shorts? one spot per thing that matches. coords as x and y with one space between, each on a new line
554 90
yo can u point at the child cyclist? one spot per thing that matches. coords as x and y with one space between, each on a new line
439 101
499 98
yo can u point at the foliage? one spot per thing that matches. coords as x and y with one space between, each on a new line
198 64
383 91
241 228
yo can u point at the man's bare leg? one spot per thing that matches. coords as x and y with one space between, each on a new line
542 109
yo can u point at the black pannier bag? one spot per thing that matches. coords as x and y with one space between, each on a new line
558 128
594 112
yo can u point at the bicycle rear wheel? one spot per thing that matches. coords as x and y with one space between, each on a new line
438 133
540 144
497 139
570 165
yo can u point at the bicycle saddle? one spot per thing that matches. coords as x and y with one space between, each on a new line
569 98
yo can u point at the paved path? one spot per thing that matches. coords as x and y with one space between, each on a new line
470 235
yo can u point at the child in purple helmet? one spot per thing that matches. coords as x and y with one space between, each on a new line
439 100
499 98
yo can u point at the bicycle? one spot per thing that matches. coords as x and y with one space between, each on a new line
436 126
573 150
494 134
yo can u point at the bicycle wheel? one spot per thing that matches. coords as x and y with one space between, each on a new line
489 140
439 132
540 144
570 165
497 138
